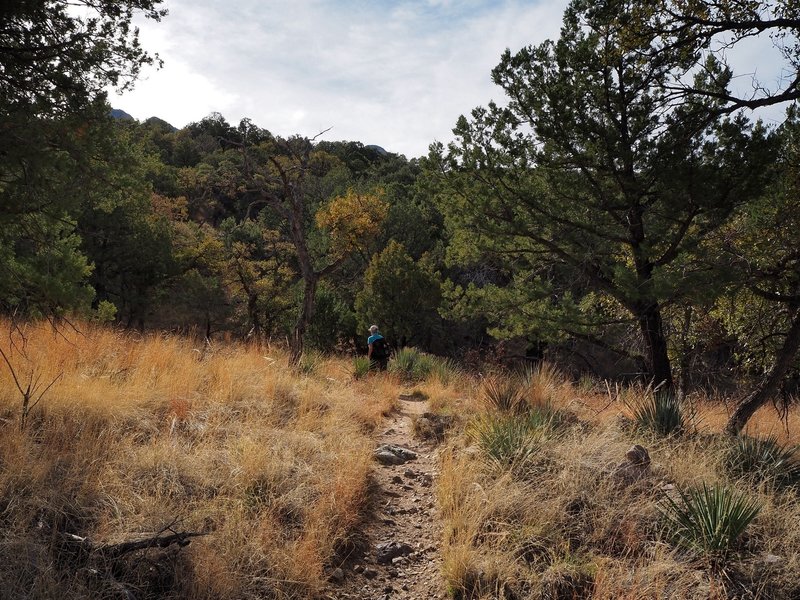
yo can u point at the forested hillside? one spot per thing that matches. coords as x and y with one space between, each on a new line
620 209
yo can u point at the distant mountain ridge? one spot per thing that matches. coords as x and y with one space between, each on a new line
118 113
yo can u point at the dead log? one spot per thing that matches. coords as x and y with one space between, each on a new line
114 551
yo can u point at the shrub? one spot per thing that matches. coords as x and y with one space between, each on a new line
360 367
763 460
411 364
659 411
708 520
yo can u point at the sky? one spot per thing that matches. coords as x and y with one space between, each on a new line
393 73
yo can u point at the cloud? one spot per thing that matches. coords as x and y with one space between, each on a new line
391 73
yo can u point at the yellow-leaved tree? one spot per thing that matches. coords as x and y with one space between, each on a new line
352 222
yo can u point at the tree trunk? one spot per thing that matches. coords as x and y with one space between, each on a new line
652 327
769 387
306 314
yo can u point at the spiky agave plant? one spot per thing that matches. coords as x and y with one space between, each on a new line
659 411
503 394
411 364
506 440
708 520
360 367
763 459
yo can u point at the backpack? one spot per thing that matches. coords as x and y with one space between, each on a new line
380 349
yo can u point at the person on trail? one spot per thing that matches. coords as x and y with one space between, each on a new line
378 353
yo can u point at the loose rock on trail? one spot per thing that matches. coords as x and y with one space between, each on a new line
400 558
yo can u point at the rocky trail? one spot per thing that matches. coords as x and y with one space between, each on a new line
399 558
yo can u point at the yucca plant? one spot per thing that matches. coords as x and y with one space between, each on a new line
763 460
659 411
504 395
360 367
506 440
411 364
708 520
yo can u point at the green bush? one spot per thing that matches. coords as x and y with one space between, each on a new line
763 460
660 412
360 367
412 365
708 520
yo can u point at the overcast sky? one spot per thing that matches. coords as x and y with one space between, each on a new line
393 73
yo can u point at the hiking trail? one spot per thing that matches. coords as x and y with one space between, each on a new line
400 558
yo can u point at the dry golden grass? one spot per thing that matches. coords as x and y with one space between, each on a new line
139 431
565 526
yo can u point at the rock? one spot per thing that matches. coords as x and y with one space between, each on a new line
358 569
337 576
638 455
399 560
388 458
386 551
389 454
397 479
772 559
410 474
370 573
635 467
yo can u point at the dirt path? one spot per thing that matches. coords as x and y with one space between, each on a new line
403 521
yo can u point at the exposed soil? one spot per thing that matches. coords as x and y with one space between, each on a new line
403 520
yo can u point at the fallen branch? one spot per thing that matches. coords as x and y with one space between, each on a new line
114 551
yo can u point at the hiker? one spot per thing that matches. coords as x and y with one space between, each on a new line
378 354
